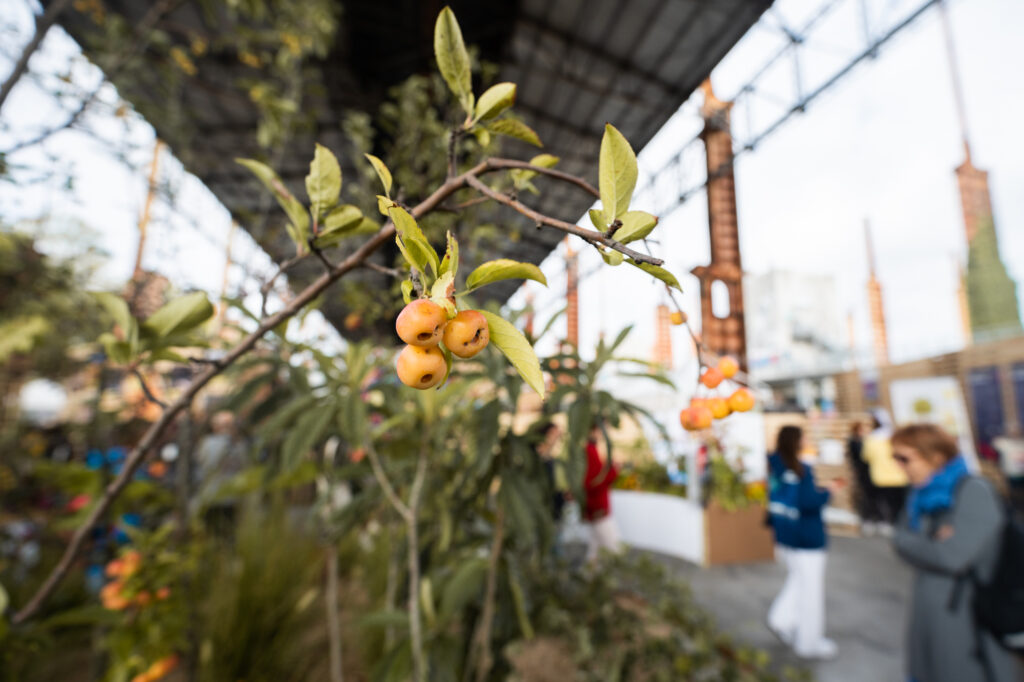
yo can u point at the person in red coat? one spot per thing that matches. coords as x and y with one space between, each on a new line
604 534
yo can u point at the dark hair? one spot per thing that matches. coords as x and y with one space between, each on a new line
931 441
788 447
543 428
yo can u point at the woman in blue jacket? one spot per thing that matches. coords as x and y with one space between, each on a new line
797 615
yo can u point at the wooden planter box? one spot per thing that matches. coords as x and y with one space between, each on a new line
734 537
683 528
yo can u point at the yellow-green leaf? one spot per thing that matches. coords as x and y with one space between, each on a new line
407 288
344 217
383 204
179 315
617 173
19 335
323 184
452 58
412 242
598 219
517 349
635 225
482 135
658 272
450 262
299 229
611 257
517 129
382 172
443 293
503 268
495 100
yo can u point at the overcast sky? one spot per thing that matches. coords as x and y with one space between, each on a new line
881 145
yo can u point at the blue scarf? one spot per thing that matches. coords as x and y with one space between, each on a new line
937 493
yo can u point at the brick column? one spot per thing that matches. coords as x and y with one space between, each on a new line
727 334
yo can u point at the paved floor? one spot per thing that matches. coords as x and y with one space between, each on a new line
867 590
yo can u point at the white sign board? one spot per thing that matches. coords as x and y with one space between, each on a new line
937 400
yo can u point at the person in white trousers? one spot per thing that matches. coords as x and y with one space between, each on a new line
797 616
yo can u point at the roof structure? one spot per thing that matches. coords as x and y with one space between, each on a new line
577 64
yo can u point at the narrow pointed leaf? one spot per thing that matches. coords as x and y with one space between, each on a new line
517 129
503 268
635 225
323 184
382 172
517 349
452 58
450 262
179 315
658 272
296 212
495 100
617 173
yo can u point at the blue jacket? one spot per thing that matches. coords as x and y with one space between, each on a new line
795 506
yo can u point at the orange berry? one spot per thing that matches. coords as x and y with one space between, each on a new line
702 418
742 400
677 318
728 366
719 408
421 323
711 377
421 367
467 334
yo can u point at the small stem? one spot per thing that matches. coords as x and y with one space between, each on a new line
483 641
591 236
320 255
419 664
145 389
390 272
283 268
43 24
453 140
508 164
333 622
385 483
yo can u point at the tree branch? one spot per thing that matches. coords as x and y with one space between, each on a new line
43 24
483 634
591 236
156 430
508 164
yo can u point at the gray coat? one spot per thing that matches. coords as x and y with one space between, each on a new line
942 638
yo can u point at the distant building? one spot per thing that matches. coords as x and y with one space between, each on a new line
795 335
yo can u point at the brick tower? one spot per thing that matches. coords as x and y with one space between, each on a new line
572 296
724 332
663 337
991 293
876 306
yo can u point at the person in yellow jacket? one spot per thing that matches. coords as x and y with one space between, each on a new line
887 476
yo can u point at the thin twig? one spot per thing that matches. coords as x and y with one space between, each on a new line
43 24
507 164
268 285
419 663
151 17
333 621
483 639
320 255
591 236
145 389
390 272
385 483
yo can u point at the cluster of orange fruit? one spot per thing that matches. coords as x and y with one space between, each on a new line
704 410
157 670
424 324
114 596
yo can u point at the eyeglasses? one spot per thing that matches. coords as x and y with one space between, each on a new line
901 459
